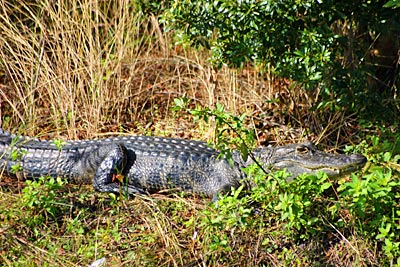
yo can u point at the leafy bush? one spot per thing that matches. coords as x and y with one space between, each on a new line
323 46
39 199
373 200
229 129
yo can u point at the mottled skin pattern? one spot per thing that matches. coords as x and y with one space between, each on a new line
151 164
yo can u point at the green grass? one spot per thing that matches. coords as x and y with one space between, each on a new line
92 69
312 221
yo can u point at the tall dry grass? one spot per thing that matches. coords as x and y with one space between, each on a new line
65 62
88 64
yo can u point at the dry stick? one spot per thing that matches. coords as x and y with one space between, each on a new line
341 235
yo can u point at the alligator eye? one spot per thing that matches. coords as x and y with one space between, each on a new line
302 149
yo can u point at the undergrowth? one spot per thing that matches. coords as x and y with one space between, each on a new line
313 220
87 69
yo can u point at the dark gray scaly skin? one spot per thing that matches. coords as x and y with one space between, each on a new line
151 164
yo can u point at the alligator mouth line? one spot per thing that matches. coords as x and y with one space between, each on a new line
339 170
331 170
351 167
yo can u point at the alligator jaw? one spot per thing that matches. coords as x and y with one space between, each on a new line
340 164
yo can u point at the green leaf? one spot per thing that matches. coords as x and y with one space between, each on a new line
392 3
325 186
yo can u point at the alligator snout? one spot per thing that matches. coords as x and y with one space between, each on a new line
357 159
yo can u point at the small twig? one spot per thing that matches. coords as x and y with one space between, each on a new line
341 235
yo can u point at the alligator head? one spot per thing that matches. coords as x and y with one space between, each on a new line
306 158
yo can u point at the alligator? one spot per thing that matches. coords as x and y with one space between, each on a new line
146 164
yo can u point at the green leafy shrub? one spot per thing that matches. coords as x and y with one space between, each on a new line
40 199
373 199
229 129
322 46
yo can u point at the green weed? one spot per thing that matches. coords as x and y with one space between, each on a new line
39 199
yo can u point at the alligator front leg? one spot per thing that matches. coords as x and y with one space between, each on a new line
113 164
